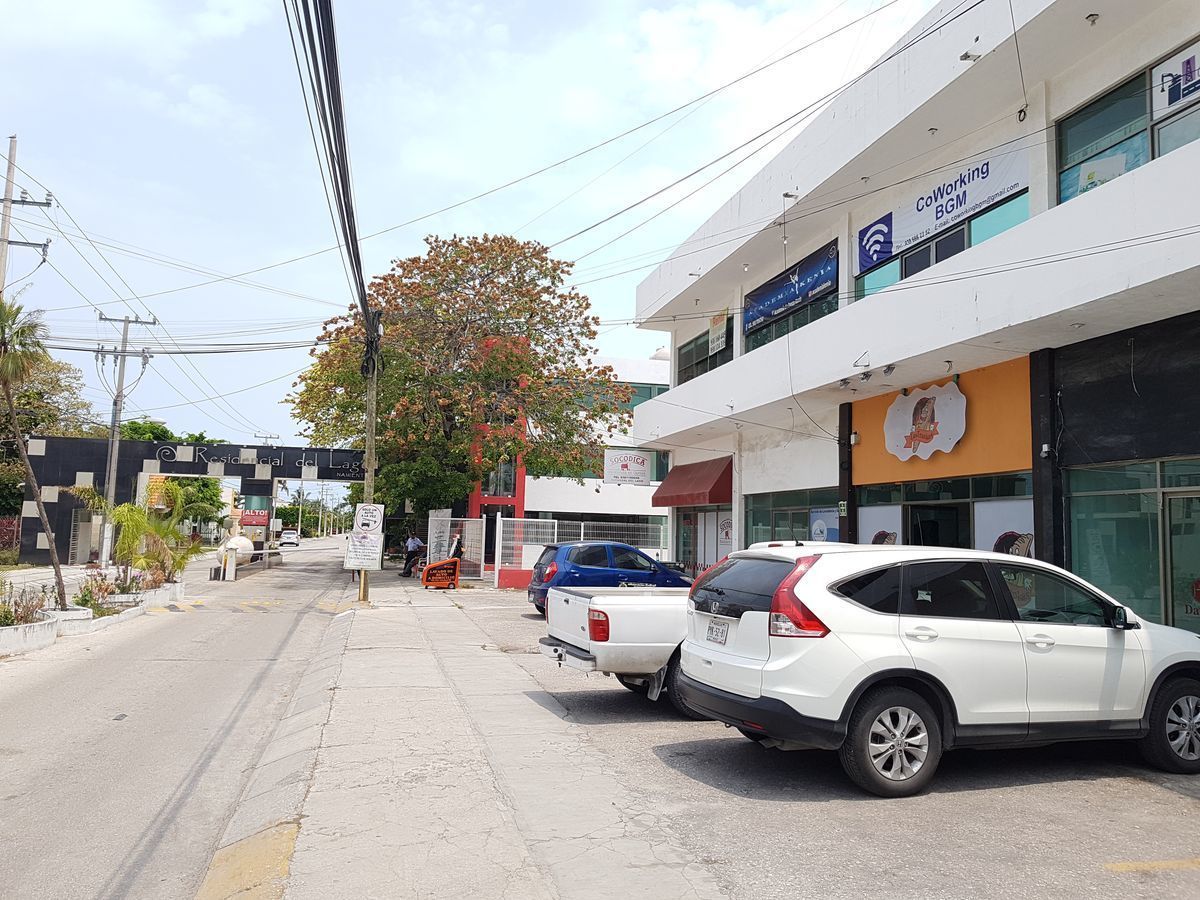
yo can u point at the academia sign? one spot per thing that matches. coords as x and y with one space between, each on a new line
626 467
926 420
812 277
957 195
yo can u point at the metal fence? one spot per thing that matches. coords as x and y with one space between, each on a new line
519 542
440 538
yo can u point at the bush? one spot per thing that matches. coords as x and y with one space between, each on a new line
22 608
9 557
94 593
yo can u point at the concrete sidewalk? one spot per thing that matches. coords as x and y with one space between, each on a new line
444 771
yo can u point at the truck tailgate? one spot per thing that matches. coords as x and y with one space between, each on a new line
566 616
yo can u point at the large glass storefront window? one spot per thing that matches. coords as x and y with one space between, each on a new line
694 358
1135 533
792 516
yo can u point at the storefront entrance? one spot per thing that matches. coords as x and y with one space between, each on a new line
703 536
940 526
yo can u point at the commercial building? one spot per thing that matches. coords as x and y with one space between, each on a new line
961 308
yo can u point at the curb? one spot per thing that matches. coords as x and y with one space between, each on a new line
255 850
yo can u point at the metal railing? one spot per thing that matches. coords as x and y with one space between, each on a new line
519 542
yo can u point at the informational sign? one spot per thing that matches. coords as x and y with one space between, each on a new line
368 517
626 467
924 421
442 574
716 332
255 517
439 533
724 536
364 544
812 277
1175 82
823 524
1104 167
956 195
364 550
1004 526
881 524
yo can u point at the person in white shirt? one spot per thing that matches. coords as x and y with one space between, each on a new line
412 552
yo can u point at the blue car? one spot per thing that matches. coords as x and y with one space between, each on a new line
598 564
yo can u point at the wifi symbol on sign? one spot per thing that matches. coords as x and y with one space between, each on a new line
874 238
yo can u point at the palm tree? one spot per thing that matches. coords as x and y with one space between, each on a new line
22 336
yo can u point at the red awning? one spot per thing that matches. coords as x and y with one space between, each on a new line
697 484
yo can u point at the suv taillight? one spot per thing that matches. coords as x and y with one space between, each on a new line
790 617
551 571
700 577
597 625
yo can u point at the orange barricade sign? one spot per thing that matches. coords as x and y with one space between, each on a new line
443 574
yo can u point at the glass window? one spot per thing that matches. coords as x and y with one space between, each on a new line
595 556
879 495
917 261
1043 597
879 590
744 583
946 489
630 559
1131 477
950 245
1103 122
1178 132
986 487
999 219
878 278
953 589
1104 167
1115 546
1181 473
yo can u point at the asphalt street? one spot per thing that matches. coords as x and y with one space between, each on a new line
123 753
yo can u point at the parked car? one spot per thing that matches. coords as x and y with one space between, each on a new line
580 564
892 655
289 538
633 633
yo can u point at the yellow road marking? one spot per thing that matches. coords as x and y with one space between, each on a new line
254 867
1155 865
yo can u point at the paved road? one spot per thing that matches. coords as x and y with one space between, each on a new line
122 753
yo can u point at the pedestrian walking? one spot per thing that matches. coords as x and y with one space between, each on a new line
412 552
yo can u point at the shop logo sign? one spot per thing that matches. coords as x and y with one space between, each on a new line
875 242
925 421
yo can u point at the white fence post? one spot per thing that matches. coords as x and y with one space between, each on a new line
499 552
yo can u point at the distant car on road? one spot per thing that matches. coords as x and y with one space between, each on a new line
289 538
584 564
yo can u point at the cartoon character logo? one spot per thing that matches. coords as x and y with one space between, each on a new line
924 423
884 537
1014 544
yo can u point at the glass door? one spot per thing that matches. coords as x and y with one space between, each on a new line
1183 526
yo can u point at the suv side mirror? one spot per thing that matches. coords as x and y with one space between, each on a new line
1120 620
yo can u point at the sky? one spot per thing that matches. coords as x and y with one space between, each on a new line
173 134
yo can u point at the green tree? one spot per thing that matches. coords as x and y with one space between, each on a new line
22 346
12 484
50 401
485 361
200 494
139 430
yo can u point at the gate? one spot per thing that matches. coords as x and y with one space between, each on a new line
442 532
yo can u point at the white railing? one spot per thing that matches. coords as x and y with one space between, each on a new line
519 542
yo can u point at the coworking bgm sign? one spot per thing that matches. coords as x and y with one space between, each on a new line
364 544
959 194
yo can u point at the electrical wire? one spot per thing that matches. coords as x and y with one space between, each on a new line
1020 66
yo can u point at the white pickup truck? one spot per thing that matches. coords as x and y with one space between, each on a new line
633 633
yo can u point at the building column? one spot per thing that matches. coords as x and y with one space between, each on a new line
1049 502
847 503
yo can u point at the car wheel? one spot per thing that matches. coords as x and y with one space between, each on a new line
1173 743
541 608
633 685
671 689
893 743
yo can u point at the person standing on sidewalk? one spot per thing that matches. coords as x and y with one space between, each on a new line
412 552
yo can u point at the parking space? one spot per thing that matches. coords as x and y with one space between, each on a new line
1076 820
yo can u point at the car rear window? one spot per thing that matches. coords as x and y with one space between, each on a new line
742 584
547 555
879 590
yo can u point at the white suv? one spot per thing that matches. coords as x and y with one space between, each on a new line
892 655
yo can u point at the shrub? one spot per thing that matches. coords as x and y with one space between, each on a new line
22 607
9 557
94 593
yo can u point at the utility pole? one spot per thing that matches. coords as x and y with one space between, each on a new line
114 432
9 203
373 328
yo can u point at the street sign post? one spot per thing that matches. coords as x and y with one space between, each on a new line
364 545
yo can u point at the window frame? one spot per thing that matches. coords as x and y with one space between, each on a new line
898 566
1000 585
636 554
571 557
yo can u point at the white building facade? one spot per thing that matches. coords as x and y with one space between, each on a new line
961 308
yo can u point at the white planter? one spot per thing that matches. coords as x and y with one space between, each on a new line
34 636
73 620
163 596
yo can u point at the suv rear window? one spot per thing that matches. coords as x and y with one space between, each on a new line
741 585
879 590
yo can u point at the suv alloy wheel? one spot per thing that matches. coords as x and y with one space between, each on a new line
1173 743
893 743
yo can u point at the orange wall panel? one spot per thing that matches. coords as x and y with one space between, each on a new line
998 436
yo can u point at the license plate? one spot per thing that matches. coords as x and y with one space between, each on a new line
718 631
